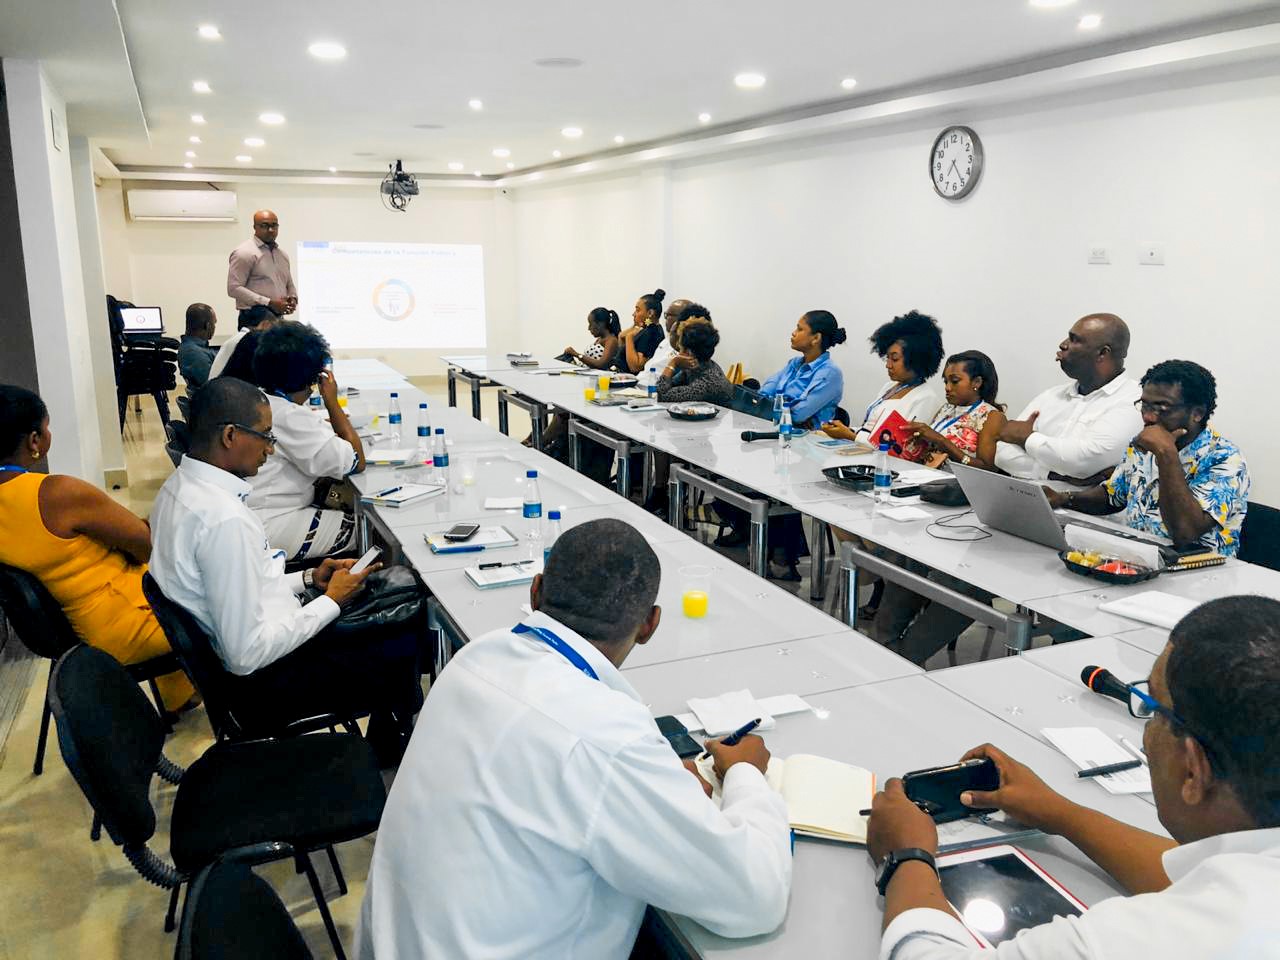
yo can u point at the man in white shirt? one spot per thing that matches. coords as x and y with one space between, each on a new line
539 809
1081 429
290 360
666 350
1212 742
210 555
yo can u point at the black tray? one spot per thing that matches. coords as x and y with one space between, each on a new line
713 412
858 476
1144 573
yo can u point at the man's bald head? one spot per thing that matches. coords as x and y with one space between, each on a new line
673 312
1108 330
266 226
1095 349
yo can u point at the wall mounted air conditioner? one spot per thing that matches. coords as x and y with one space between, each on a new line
197 206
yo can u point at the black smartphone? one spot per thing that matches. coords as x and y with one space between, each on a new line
937 790
910 491
677 735
461 532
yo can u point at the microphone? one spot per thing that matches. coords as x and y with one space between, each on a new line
1102 681
749 435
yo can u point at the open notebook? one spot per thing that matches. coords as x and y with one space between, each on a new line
823 796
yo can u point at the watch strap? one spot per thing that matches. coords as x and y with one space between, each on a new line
896 859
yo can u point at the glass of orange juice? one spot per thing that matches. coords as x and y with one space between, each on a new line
695 585
589 394
602 383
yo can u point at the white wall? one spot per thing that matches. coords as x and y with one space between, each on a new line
51 254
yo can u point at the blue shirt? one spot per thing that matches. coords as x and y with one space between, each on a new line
813 389
1218 477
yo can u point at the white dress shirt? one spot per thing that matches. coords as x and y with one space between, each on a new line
921 403
1221 904
537 811
225 351
307 450
662 355
1075 435
210 555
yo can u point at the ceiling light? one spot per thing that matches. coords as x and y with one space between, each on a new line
271 119
327 50
209 31
244 158
511 166
188 165
197 118
193 139
556 154
848 83
191 154
1049 4
749 81
455 165
573 133
619 139
1090 21
333 169
704 118
476 173
254 142
501 152
201 86
475 104
563 63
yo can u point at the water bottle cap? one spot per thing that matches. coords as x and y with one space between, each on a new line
422 406
439 431
553 515
531 474
884 448
394 395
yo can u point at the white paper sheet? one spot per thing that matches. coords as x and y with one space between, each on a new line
1153 606
1089 747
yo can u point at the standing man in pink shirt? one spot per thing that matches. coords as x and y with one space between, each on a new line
259 274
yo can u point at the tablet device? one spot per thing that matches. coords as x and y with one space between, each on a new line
997 891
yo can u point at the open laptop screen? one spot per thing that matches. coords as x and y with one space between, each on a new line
142 320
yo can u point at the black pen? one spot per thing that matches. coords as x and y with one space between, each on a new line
732 739
388 492
495 566
1107 768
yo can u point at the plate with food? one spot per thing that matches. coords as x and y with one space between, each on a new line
1099 566
693 411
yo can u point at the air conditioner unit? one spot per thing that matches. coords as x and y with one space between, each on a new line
198 206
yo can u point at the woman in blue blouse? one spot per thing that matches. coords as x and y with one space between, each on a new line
811 382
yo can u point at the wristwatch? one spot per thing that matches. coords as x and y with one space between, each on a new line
308 578
966 460
896 859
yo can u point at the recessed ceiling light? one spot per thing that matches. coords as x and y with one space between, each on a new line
428 126
254 142
1090 21
476 173
271 119
197 118
1048 4
619 139
501 152
209 31
191 154
455 165
704 118
475 104
193 139
562 63
327 50
749 81
573 133
511 166
201 86
556 154
244 158
188 164
848 83
333 169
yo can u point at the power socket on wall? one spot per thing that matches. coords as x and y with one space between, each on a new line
1099 254
1151 254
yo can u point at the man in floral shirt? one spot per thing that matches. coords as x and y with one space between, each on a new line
1180 478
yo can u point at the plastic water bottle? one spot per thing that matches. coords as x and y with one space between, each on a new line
651 387
785 427
779 402
533 513
315 402
884 479
440 456
553 534
425 449
394 418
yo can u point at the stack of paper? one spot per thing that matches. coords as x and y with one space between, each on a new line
1089 747
1153 606
504 575
728 712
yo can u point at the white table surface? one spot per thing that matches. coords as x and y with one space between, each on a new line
1118 654
484 362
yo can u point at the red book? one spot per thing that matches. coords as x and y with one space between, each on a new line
896 430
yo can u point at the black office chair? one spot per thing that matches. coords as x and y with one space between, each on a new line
298 795
46 632
231 912
1260 536
143 365
194 648
184 404
179 439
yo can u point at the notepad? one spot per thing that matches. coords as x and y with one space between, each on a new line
823 796
407 493
1088 747
486 538
1153 606
503 503
392 455
504 576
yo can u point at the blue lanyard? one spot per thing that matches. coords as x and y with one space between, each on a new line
888 393
12 468
559 646
962 413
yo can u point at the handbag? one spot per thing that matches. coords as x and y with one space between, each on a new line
946 493
391 597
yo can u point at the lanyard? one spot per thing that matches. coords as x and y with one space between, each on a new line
866 419
12 468
962 413
559 646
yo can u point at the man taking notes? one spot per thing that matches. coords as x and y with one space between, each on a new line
539 809
1212 741
258 272
1180 479
1074 431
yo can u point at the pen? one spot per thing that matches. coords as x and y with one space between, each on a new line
733 738
387 492
1108 768
495 565
1136 751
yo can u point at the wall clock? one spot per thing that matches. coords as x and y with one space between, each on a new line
955 162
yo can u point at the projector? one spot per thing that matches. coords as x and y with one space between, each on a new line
397 187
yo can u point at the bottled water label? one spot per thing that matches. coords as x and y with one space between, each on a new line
532 511
440 461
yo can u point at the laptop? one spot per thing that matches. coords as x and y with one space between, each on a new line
142 320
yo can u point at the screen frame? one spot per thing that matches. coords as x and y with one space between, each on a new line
159 315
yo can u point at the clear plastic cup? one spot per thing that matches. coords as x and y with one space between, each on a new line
602 383
695 587
589 394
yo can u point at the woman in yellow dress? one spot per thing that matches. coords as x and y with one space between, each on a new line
88 551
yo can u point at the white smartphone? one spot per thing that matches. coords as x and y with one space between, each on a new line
370 556
997 891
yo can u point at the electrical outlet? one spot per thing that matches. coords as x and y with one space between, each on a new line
1099 254
1151 254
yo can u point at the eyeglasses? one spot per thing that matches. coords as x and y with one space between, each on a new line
1159 409
268 437
1144 706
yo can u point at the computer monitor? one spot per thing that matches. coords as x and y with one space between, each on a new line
142 320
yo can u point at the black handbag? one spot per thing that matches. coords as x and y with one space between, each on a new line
391 597
946 493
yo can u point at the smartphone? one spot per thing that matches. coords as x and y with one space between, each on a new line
461 532
368 558
677 735
937 790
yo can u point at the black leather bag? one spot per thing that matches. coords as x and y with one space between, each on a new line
391 597
946 493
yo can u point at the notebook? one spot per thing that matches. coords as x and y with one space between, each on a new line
823 796
403 494
392 455
1153 606
486 538
508 575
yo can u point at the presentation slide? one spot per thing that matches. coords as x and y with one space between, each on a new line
392 294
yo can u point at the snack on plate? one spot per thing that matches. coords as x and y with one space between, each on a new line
1085 558
1119 567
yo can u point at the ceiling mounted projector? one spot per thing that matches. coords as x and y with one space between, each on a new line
397 187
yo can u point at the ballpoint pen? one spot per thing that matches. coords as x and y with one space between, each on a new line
495 565
733 738
387 492
1108 768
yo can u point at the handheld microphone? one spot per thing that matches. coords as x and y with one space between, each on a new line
1102 681
749 435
